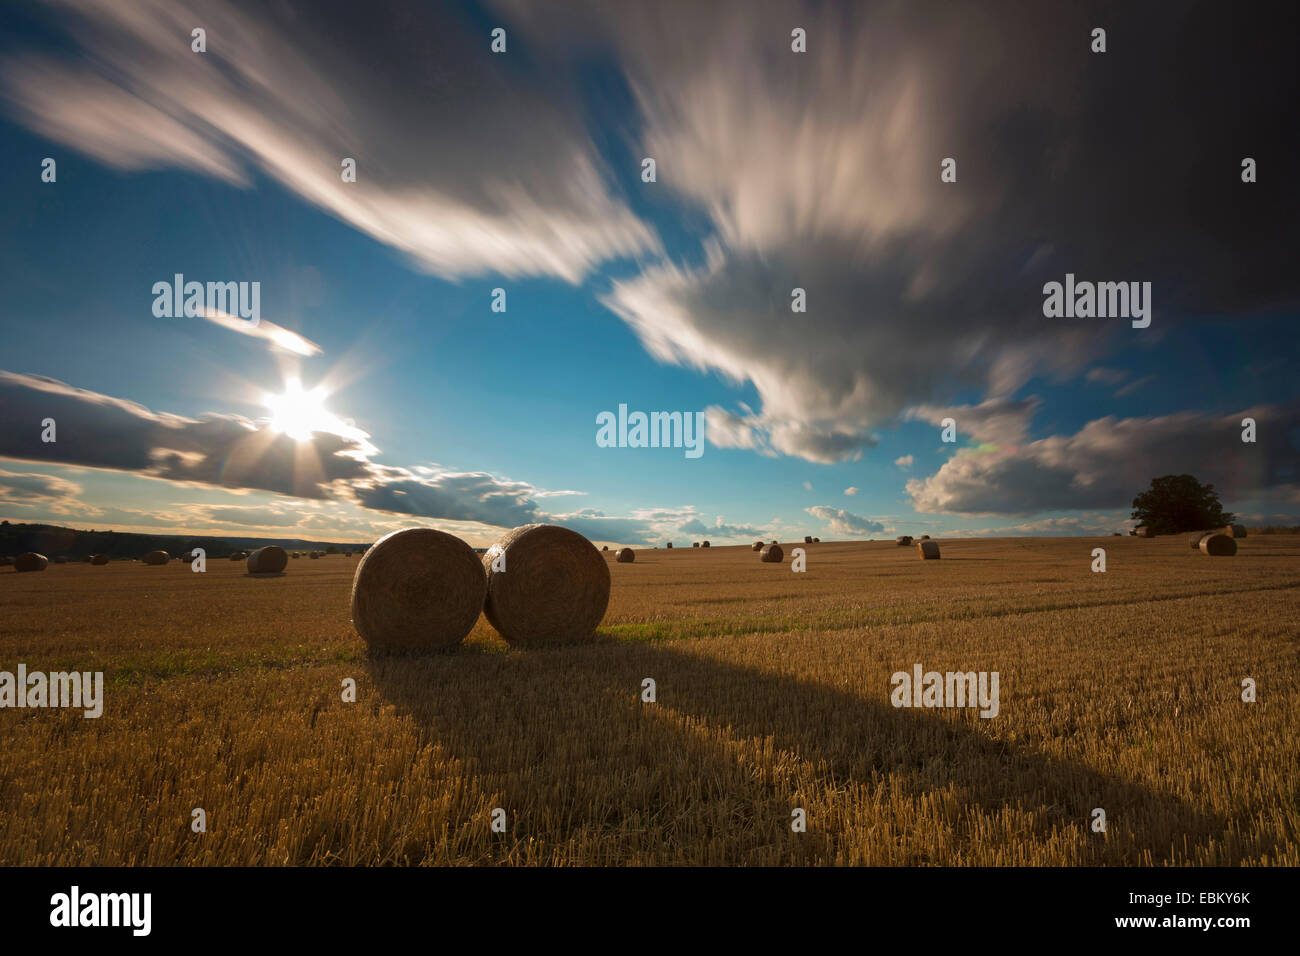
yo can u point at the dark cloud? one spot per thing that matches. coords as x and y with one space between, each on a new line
225 451
1109 461
228 451
821 171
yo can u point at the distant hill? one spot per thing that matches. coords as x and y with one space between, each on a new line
51 540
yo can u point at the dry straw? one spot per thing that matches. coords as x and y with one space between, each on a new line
418 589
929 550
1196 539
1219 545
772 554
156 557
757 546
1144 531
626 556
268 560
31 561
553 589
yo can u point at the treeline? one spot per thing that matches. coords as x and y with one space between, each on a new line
51 540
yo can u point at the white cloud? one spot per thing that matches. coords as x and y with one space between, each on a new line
850 491
845 522
904 461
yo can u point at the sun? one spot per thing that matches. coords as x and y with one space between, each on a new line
299 412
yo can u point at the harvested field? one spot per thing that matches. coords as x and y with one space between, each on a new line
1118 690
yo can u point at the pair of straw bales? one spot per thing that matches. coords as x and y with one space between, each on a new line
903 540
420 589
30 561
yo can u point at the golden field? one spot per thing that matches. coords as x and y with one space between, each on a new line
1118 690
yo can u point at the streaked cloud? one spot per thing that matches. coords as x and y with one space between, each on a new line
464 163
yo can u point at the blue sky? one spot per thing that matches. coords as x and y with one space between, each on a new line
521 171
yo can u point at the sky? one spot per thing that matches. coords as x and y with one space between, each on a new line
412 401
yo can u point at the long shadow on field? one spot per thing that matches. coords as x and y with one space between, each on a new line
562 739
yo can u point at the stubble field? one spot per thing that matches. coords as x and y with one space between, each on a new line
1120 691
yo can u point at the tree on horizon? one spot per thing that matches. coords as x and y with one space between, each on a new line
1178 503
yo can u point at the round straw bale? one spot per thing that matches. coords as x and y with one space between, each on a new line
756 546
99 559
61 559
1144 531
927 549
1219 545
1235 531
695 544
1196 539
925 537
903 540
268 560
417 589
670 544
773 541
554 587
156 557
817 540
314 555
30 561
604 547
704 544
626 556
807 539
772 554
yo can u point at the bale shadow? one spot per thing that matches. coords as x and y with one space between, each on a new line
264 574
564 739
